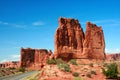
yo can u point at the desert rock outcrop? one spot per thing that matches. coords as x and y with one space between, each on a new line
34 58
94 44
113 56
69 38
71 42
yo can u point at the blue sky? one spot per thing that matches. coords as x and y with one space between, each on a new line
32 23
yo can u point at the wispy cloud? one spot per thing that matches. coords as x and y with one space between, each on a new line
30 25
38 23
117 50
14 57
12 24
105 22
108 23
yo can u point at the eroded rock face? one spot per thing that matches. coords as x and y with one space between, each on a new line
34 58
113 56
69 38
71 42
94 44
10 64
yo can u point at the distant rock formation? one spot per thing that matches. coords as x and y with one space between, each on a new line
34 58
10 64
112 56
71 42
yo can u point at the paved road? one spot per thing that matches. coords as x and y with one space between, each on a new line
18 76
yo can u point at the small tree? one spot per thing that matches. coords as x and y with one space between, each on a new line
111 71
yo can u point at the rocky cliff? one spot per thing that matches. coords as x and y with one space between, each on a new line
71 42
69 38
34 58
113 56
94 43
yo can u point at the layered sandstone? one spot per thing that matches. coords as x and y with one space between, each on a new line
10 64
34 58
113 56
71 42
94 44
69 38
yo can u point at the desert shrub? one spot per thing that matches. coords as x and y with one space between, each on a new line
11 68
73 62
78 78
105 64
51 61
21 69
91 64
75 74
59 61
111 71
65 67
33 79
88 75
93 72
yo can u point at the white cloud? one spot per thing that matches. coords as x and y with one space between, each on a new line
4 60
108 23
117 50
38 23
12 24
14 57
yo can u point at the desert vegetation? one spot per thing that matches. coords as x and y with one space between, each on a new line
111 71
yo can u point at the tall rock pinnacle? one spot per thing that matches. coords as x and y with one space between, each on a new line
71 42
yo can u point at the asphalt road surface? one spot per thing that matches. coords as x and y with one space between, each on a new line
18 76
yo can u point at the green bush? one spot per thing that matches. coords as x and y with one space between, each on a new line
59 61
75 74
93 72
73 62
111 71
88 75
21 69
78 78
91 64
65 67
51 61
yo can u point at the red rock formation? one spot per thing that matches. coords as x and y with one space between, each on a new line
11 64
113 56
94 44
34 58
71 43
69 38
